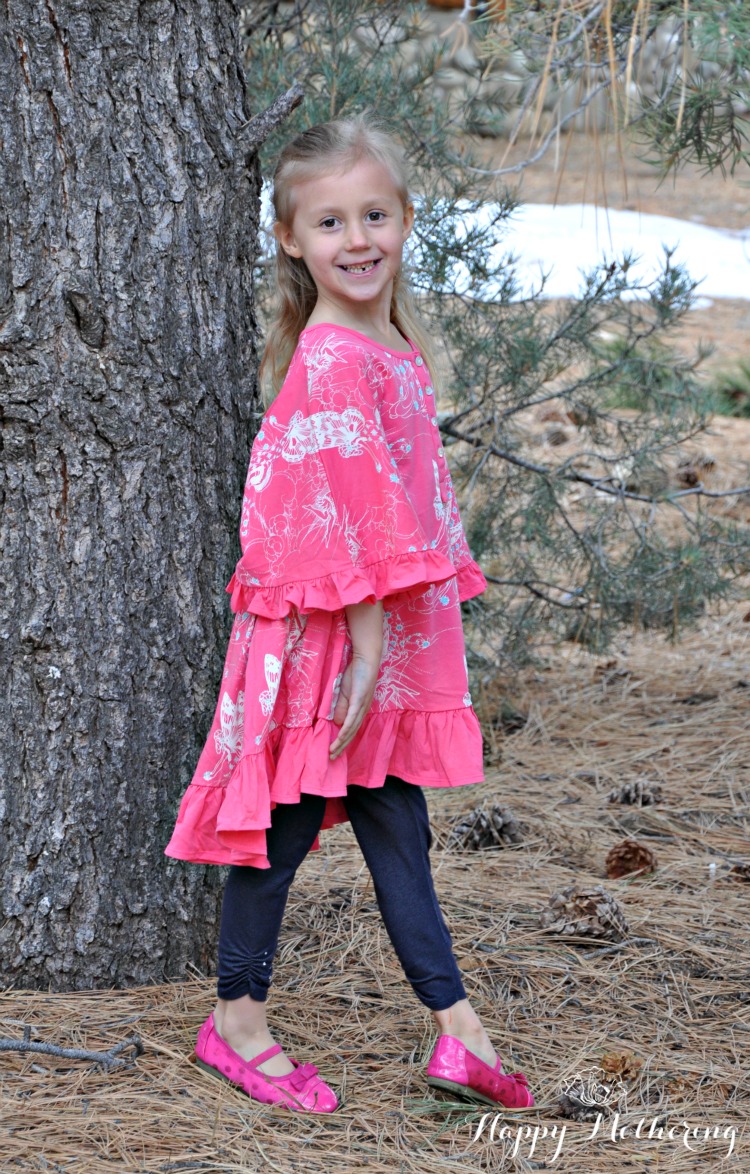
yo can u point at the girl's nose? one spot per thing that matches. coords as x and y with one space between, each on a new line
356 237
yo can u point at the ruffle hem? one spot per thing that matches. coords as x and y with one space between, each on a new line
227 824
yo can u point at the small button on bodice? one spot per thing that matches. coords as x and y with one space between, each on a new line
419 360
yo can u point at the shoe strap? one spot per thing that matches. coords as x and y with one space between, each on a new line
257 1060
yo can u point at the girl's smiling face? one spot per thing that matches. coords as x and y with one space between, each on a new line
349 228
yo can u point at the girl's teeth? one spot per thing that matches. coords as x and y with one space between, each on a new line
359 268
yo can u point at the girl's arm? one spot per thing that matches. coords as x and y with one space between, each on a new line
365 622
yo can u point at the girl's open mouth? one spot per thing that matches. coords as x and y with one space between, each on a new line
362 267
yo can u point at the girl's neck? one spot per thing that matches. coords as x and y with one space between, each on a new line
378 327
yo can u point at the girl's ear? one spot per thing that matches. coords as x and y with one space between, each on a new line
408 219
285 237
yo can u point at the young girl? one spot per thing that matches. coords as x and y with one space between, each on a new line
345 688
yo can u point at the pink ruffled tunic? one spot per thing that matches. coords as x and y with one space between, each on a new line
348 498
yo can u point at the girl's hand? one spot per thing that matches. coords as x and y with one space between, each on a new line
358 682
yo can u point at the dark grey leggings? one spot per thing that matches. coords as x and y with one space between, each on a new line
393 830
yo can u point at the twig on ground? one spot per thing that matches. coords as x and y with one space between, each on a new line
619 946
107 1060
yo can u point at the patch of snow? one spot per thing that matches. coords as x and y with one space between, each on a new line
565 240
568 238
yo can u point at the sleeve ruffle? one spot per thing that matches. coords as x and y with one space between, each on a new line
471 581
401 578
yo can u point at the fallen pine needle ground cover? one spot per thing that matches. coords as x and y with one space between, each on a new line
624 998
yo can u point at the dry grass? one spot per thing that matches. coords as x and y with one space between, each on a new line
668 1008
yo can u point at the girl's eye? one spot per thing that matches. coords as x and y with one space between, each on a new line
329 222
376 216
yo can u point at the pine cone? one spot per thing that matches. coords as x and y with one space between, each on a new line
629 857
687 474
507 719
706 462
554 413
585 1096
584 912
581 415
625 1065
647 478
575 1110
692 470
640 792
493 827
556 437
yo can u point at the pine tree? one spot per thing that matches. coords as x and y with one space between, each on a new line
565 420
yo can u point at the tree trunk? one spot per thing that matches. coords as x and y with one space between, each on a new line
127 368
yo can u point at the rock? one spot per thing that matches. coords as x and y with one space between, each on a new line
439 21
488 122
503 88
668 37
451 103
515 64
465 59
482 84
710 70
381 32
566 100
451 79
408 54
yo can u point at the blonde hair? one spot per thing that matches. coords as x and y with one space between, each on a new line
320 150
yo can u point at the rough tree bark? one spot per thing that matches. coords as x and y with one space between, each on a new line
127 368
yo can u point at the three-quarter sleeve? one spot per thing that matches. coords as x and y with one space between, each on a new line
326 518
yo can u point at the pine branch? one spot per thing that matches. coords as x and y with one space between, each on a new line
699 491
578 605
603 485
517 168
506 356
255 132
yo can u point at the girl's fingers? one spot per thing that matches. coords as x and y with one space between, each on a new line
342 704
353 708
353 720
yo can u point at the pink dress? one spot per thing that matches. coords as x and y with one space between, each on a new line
348 498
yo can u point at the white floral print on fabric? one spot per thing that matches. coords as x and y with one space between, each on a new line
273 677
228 737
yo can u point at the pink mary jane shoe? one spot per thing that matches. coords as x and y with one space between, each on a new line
302 1090
454 1067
